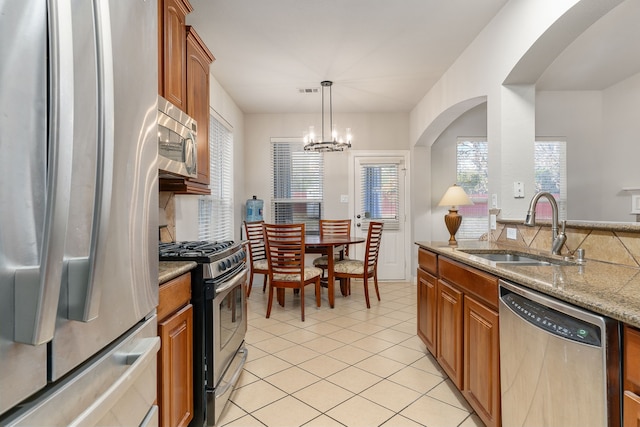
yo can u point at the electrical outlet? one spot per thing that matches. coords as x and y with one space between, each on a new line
512 233
344 198
494 201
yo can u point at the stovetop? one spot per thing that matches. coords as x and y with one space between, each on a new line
201 252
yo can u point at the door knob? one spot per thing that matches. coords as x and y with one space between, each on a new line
358 225
358 216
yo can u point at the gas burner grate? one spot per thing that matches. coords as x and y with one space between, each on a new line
200 251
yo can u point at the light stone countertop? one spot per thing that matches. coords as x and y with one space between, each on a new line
168 270
609 289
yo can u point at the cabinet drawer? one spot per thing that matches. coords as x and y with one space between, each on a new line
428 261
475 282
632 359
173 295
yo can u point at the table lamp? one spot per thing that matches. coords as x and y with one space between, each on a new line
455 196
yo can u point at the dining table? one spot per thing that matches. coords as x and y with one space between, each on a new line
327 245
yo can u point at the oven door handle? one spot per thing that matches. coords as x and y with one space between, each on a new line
233 282
222 389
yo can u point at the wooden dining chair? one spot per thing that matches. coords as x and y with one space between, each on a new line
365 269
285 256
257 252
333 227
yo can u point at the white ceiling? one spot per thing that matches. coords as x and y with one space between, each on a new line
382 55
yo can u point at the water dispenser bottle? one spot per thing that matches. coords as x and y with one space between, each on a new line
254 209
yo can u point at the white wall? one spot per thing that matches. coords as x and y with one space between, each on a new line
500 66
473 123
370 132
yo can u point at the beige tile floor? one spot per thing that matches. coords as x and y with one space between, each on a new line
346 366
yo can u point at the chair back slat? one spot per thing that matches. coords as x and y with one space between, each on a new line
285 248
336 227
255 236
374 237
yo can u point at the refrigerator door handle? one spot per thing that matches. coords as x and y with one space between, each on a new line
84 291
37 288
139 359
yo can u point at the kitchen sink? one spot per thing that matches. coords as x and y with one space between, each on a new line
517 258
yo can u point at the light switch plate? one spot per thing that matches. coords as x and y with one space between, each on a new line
512 233
493 222
518 189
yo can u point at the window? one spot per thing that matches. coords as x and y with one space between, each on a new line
473 175
215 212
297 185
551 176
380 200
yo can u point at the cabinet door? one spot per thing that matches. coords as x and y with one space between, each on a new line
631 411
175 388
198 61
174 71
481 361
427 309
449 331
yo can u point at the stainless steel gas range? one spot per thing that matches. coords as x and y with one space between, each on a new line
220 321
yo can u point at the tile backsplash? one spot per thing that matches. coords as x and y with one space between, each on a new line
619 244
167 216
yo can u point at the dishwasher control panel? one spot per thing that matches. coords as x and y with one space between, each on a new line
552 321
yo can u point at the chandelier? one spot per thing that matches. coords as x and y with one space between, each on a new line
336 143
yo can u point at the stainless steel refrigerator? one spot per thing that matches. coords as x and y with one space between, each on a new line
78 212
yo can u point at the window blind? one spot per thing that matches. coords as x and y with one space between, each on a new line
551 176
379 198
215 212
473 175
297 185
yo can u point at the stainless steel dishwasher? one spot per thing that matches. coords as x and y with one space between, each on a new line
554 368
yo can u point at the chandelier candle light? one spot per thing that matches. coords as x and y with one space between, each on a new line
455 196
337 143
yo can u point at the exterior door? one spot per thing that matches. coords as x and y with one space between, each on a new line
379 195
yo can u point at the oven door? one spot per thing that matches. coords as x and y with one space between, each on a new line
228 326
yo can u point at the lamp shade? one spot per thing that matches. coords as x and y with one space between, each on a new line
455 196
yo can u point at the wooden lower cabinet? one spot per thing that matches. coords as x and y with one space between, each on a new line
482 360
631 372
458 322
449 331
427 309
175 359
631 404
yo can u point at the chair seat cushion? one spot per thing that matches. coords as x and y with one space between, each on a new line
309 273
323 261
351 266
261 264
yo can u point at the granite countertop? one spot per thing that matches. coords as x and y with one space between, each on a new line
612 290
168 270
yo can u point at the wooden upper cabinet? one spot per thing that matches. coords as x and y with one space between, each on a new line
172 67
199 58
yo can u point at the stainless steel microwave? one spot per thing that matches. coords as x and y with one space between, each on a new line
177 144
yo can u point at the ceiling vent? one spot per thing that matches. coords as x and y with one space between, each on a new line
309 90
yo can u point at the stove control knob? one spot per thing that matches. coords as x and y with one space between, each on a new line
221 266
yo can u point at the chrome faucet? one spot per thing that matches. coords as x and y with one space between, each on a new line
558 238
